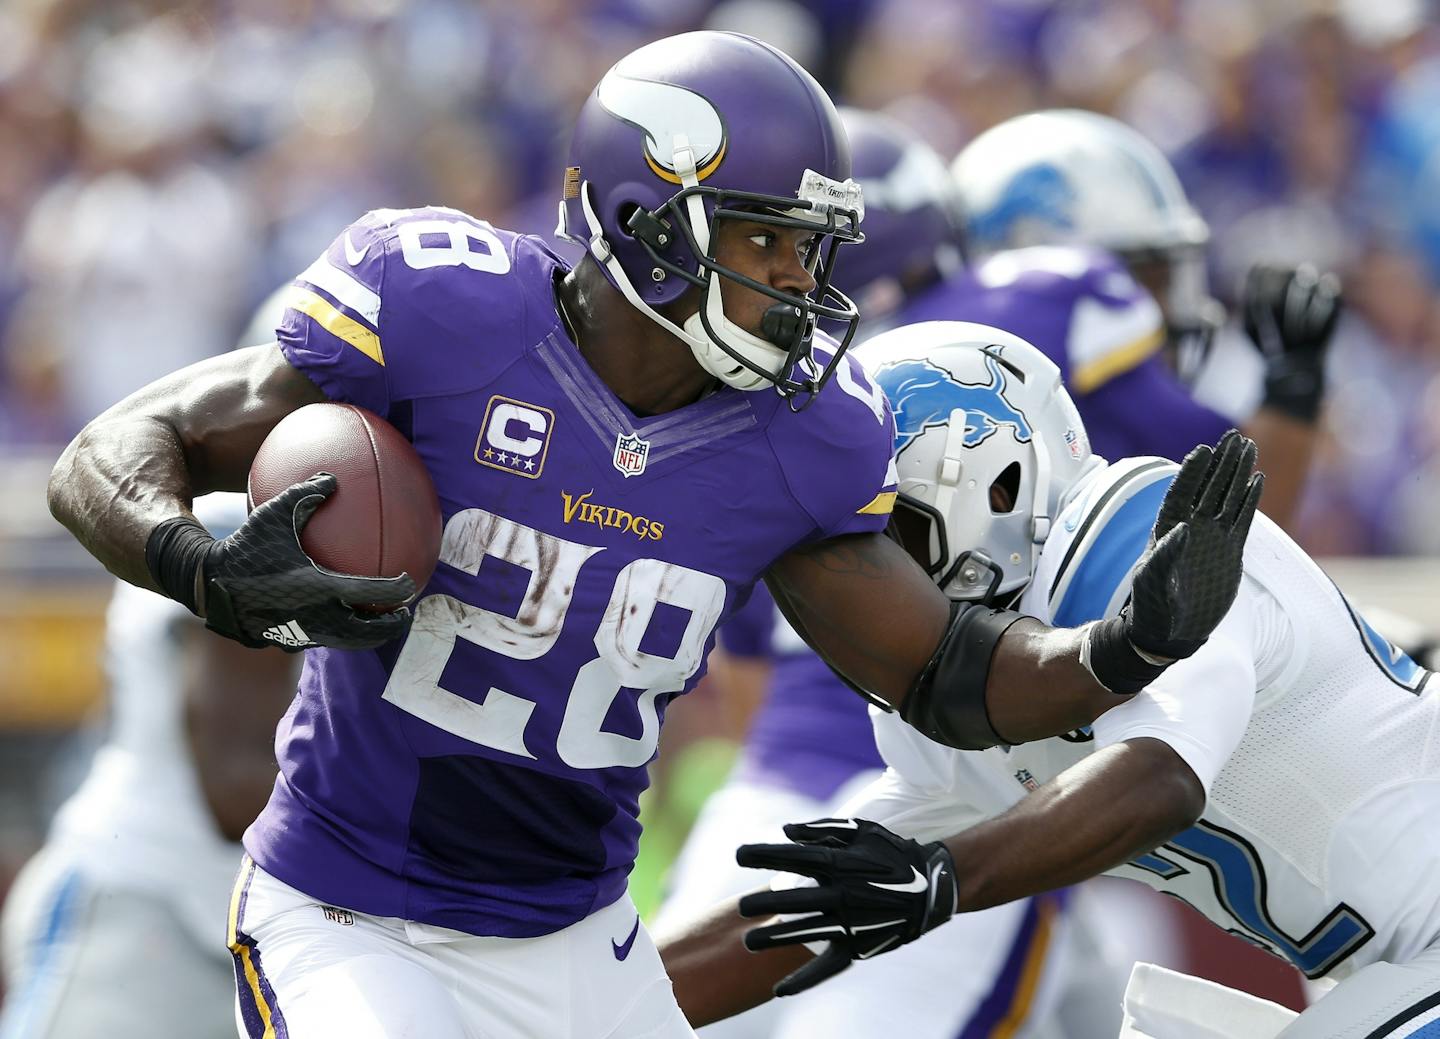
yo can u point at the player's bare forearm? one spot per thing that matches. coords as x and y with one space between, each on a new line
865 606
1287 445
1038 687
121 476
144 460
714 975
1120 802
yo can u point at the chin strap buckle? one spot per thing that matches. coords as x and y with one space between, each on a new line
650 229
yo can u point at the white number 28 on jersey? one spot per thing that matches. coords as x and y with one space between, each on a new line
553 565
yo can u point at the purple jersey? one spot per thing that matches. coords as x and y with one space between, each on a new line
1085 312
484 773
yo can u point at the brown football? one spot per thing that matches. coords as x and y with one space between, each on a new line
384 517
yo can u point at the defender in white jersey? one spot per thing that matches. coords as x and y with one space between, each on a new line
1285 780
111 929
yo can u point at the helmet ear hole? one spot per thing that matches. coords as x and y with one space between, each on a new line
626 213
1005 490
919 530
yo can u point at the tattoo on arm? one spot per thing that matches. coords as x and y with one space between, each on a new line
854 554
865 606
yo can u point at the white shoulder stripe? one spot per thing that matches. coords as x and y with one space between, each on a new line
345 288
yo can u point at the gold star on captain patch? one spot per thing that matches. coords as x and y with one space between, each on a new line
489 453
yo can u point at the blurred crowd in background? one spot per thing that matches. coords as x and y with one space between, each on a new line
165 164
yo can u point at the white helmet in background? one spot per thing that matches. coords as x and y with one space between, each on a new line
1070 177
987 443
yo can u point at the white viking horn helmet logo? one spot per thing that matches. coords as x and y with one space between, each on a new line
662 111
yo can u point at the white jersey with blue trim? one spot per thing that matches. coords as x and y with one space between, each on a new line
1318 744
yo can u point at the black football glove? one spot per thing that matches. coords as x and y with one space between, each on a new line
1290 314
1189 575
877 891
261 589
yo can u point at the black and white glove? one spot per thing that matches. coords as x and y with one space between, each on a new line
1290 314
1190 573
875 892
261 589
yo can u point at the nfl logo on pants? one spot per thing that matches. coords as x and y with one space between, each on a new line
630 454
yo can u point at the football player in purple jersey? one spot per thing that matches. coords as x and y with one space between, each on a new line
1071 177
621 451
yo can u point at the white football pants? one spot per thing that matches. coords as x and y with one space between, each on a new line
305 970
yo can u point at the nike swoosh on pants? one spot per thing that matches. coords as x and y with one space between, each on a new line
622 949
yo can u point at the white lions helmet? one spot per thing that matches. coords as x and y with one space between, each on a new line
987 445
1070 177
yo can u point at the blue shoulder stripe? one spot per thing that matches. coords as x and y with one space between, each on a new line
1102 566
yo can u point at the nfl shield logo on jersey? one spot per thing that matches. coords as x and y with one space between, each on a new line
630 454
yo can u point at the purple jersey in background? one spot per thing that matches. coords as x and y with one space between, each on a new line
1084 311
811 734
484 774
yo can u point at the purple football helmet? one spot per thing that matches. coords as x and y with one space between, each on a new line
699 128
912 227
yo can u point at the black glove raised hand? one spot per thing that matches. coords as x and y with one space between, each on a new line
1290 314
1189 576
261 589
876 891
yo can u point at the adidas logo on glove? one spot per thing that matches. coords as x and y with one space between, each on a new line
288 634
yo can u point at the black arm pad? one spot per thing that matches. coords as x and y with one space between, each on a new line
947 701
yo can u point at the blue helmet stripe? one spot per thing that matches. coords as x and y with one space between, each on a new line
1106 565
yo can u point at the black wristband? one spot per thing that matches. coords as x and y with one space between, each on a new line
174 553
1116 664
1295 388
947 701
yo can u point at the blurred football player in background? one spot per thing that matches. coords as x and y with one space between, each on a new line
1282 780
111 929
1071 177
807 746
447 848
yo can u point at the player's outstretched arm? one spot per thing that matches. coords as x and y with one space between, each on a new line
144 460
967 676
873 891
1290 315
972 677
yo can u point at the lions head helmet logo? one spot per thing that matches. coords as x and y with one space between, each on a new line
661 111
1039 195
924 395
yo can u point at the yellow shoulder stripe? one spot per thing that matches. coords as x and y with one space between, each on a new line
1098 372
881 505
336 323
